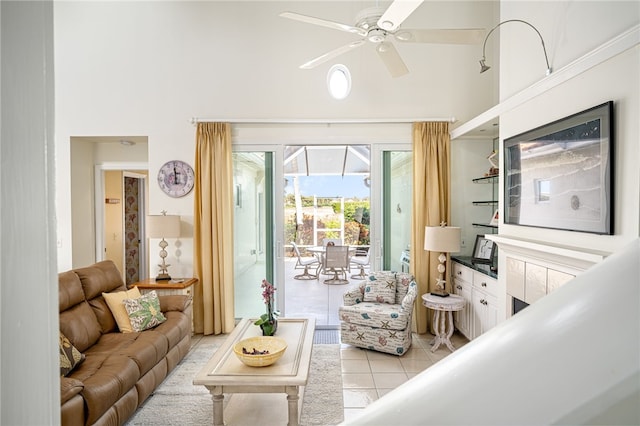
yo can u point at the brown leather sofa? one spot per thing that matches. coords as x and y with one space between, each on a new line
120 370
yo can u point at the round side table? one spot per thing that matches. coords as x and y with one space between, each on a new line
440 306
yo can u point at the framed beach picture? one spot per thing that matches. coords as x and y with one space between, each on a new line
560 175
483 250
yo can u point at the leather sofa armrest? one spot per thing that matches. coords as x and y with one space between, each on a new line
353 296
175 302
69 388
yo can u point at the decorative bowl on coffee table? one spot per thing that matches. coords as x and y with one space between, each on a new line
260 351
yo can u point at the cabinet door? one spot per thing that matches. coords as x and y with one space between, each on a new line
462 319
490 314
485 312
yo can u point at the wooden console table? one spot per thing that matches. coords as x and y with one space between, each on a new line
164 288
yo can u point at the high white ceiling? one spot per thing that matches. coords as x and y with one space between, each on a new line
164 61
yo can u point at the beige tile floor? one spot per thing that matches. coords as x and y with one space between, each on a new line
368 375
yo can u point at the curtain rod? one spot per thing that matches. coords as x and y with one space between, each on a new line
195 120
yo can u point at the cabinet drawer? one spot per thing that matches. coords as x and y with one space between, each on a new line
463 273
485 283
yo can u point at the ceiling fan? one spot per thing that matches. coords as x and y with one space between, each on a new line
376 24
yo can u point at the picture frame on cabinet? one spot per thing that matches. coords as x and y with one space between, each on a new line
483 250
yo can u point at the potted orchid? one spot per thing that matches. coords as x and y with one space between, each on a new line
268 321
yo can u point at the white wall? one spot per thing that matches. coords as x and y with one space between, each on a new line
29 368
469 161
616 79
146 68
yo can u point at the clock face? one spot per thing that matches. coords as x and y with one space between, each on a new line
176 178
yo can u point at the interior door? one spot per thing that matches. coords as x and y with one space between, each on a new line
120 211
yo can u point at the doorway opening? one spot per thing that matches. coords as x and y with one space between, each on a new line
327 197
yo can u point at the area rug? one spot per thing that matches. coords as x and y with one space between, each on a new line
178 402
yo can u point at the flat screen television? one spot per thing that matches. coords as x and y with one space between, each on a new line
560 175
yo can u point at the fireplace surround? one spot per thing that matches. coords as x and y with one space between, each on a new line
529 270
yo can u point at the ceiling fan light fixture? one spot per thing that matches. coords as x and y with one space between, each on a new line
376 35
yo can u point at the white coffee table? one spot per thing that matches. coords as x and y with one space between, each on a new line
441 306
225 373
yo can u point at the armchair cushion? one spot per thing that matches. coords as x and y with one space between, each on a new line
378 315
380 290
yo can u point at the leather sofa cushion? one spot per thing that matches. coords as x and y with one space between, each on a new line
177 325
106 379
69 388
102 277
146 348
69 290
174 302
80 326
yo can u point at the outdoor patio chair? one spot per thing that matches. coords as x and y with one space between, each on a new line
335 241
361 262
336 260
304 263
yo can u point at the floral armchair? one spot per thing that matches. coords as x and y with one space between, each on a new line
377 315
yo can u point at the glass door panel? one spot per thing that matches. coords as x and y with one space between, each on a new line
397 190
254 254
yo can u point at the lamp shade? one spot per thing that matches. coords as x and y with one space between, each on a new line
163 226
444 239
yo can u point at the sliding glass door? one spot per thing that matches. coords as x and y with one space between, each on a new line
254 248
280 198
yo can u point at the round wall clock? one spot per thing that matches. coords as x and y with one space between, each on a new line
176 178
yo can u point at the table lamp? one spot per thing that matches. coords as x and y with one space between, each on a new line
443 239
161 226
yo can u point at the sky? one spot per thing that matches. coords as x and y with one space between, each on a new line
330 186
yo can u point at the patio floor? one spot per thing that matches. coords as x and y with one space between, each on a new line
303 298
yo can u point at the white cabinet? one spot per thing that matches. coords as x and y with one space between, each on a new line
462 319
485 312
480 292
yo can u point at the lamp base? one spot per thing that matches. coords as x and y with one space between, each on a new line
440 293
163 277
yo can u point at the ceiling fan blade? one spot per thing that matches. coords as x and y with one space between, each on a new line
332 54
392 59
396 13
458 36
324 23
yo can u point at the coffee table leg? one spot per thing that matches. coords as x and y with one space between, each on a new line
218 399
292 398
